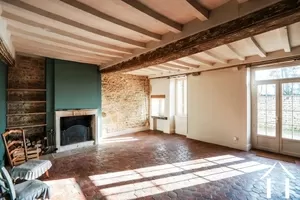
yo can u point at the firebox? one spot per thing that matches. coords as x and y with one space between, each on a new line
75 129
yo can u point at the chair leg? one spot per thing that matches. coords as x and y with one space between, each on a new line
47 174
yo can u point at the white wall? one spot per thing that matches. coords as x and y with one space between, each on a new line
217 108
165 87
181 125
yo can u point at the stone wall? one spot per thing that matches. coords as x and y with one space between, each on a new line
125 102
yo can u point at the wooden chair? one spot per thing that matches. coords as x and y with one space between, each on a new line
16 148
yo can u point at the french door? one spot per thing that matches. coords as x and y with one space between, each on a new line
276 116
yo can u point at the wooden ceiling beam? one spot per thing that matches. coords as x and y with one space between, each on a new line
270 17
253 43
33 43
237 54
19 19
99 14
198 10
172 25
285 40
44 13
25 33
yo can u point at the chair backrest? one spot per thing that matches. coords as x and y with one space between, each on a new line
8 183
16 149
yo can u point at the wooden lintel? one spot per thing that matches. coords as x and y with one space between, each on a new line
161 96
274 16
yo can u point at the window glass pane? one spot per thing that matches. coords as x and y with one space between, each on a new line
266 110
179 97
278 73
185 97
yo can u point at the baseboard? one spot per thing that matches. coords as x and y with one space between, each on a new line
126 131
231 145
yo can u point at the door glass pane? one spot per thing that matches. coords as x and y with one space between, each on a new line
266 110
291 111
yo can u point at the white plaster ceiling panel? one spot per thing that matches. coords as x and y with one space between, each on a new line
269 41
244 48
212 4
176 10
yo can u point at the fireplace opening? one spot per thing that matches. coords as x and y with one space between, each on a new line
75 129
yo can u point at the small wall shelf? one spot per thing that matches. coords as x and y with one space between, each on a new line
29 126
26 101
23 114
29 90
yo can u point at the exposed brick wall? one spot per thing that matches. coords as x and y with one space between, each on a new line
125 102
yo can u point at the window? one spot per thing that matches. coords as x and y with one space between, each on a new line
277 73
181 96
157 105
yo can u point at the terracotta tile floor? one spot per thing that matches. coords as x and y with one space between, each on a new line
152 165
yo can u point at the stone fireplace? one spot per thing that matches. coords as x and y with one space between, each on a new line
76 128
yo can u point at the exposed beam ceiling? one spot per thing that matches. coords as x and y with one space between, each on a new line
52 54
185 64
238 55
269 18
172 26
61 43
114 20
284 36
70 22
199 60
216 57
174 66
30 42
14 17
198 10
252 42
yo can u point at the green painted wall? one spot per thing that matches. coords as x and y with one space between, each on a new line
71 85
77 85
50 93
3 83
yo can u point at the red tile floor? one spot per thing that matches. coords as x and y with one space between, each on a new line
152 165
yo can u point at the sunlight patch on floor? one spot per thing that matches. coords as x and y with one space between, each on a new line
173 182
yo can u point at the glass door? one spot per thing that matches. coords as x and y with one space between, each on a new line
290 117
266 114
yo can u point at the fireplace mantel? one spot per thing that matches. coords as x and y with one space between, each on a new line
79 112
